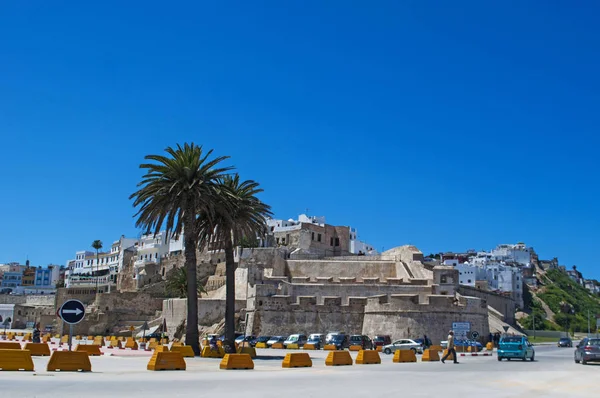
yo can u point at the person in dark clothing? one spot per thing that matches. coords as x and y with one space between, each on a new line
426 342
36 333
450 347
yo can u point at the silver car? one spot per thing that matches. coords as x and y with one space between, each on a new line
588 350
403 344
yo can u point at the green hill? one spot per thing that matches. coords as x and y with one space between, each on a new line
568 300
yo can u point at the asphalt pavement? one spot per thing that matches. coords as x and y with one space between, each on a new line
552 374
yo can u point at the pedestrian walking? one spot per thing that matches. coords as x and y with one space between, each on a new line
36 333
426 342
450 348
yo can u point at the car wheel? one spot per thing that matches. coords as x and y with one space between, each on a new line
508 359
533 358
414 350
499 359
583 362
577 361
387 351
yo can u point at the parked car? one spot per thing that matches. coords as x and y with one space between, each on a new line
404 344
262 339
517 347
463 343
340 340
361 340
299 339
317 340
237 335
275 339
247 340
565 342
382 339
588 350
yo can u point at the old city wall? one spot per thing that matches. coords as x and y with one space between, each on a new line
405 316
210 312
349 269
279 315
33 300
345 291
503 304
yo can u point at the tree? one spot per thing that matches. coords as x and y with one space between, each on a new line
97 244
174 190
177 283
240 217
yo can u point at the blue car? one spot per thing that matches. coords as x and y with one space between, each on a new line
517 347
463 343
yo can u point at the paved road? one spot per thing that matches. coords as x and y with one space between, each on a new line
553 374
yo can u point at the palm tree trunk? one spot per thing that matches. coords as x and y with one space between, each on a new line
230 293
97 265
192 337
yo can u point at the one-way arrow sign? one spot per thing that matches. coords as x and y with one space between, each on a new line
72 312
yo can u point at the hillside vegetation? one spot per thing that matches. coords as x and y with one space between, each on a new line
568 300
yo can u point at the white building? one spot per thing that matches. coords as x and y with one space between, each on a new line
358 246
518 253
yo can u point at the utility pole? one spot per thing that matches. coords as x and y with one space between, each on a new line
533 314
588 323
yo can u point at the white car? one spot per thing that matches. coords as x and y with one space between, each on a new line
404 344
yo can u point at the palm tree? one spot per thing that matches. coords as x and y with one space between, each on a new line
177 281
174 190
97 244
240 215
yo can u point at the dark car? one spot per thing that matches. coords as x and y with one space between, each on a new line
262 339
381 340
361 340
565 342
340 341
588 350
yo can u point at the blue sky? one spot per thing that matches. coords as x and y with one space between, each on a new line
447 125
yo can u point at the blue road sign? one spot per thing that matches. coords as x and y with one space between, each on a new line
72 312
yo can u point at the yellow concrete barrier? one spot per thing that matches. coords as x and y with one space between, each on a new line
162 348
472 349
338 358
368 357
402 356
10 336
16 360
437 348
237 361
261 345
153 344
78 337
20 334
57 336
330 347
489 346
122 338
166 361
99 340
292 346
90 338
355 348
185 350
131 343
379 348
277 346
92 350
38 349
308 347
247 350
27 337
164 341
69 361
64 339
450 357
115 344
5 345
179 344
207 352
430 356
297 360
112 338
46 339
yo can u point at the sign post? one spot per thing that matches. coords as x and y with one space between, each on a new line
5 324
144 328
71 312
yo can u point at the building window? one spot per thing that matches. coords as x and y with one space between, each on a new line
313 236
283 241
330 241
318 237
337 241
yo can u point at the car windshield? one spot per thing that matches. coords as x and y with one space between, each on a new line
276 338
263 339
511 340
337 337
379 338
293 338
565 339
594 342
356 338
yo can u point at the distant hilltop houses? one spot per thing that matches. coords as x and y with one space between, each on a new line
128 264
